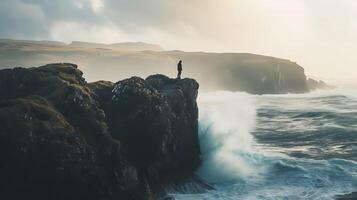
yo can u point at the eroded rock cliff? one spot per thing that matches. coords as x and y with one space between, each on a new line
62 138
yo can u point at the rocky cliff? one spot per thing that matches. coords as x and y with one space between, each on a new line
62 138
318 85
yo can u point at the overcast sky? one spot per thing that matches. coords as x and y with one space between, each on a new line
320 35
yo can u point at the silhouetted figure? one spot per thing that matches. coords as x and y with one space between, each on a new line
179 69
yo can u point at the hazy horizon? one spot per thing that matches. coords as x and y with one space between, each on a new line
319 35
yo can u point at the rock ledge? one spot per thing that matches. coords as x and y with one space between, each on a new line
62 138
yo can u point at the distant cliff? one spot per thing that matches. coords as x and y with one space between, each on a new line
318 85
251 73
247 72
62 138
125 46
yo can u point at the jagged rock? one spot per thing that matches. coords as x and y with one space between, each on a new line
315 85
156 121
42 154
61 138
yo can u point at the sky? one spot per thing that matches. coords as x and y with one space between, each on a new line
320 35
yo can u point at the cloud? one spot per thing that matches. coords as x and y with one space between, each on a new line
185 24
310 32
71 10
97 5
62 30
20 20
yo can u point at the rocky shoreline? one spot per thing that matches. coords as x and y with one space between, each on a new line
63 138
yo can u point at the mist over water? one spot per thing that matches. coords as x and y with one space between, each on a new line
278 146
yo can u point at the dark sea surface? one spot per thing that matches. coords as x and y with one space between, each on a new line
278 146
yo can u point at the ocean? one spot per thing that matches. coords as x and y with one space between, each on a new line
278 147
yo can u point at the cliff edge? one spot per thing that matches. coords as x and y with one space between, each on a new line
62 138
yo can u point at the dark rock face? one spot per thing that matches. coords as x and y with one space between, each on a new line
61 138
266 77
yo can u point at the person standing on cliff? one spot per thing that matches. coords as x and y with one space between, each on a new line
179 69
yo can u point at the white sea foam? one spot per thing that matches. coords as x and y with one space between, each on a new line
225 124
239 171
